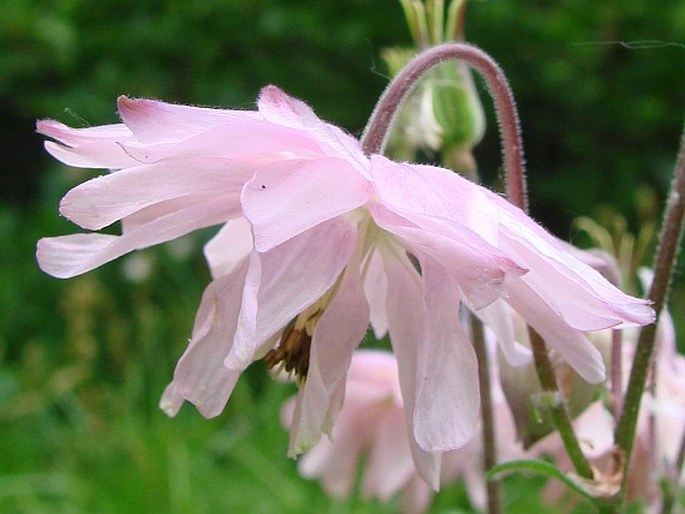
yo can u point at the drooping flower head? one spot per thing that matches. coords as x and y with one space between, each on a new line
318 239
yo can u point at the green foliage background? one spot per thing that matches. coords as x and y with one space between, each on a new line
600 88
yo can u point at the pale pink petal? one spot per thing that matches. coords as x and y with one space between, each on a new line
586 286
498 317
375 372
477 268
106 199
375 288
336 462
571 344
229 246
576 292
91 147
597 259
336 469
200 376
390 465
286 198
446 414
416 497
284 281
339 331
152 120
171 400
595 430
68 256
281 109
405 324
437 195
257 142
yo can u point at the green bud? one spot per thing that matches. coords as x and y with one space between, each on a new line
443 115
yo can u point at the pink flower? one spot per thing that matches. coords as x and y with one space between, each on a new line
370 429
317 240
370 422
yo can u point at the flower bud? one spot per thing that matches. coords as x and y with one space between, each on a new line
443 114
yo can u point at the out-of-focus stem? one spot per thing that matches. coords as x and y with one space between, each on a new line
489 439
616 372
680 459
377 129
664 263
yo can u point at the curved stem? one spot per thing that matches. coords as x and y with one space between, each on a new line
664 264
375 134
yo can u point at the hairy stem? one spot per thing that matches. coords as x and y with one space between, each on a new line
375 134
486 407
664 264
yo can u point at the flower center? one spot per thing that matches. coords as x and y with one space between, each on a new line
292 352
293 349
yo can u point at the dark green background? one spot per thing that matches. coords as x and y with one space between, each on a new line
600 87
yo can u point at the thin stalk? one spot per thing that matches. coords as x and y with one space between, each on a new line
680 459
412 22
664 264
375 134
436 17
494 496
422 24
616 372
454 27
548 381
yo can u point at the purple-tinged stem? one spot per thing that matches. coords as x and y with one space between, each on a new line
616 372
375 135
494 497
664 264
